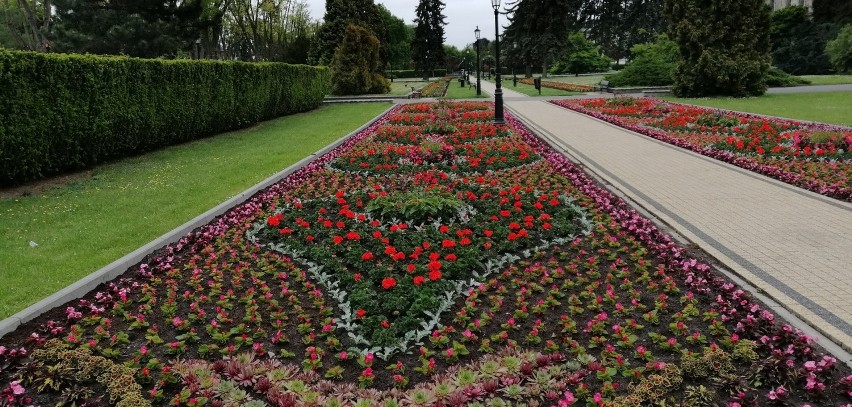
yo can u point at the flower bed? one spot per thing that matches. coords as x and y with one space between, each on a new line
437 88
518 281
812 156
570 87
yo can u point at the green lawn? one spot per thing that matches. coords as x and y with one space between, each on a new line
579 80
454 91
530 90
85 225
827 107
828 79
399 88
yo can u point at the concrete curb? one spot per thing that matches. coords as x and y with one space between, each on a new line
88 283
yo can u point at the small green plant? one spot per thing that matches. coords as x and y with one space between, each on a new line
418 206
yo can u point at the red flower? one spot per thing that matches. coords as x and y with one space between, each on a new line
367 256
337 239
385 324
450 257
273 221
353 236
388 283
360 313
488 233
357 277
448 243
434 275
390 250
418 280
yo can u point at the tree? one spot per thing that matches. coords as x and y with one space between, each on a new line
355 68
798 44
24 24
833 11
840 50
581 56
399 39
338 15
428 44
617 25
139 28
538 30
724 46
269 30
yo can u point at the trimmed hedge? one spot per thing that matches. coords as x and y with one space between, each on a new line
66 112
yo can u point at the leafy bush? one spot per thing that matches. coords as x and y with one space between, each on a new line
776 78
582 56
61 112
839 50
354 70
724 45
653 65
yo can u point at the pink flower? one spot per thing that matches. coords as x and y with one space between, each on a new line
368 359
368 372
567 399
16 387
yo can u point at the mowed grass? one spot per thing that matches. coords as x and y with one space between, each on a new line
454 91
828 79
85 225
530 90
579 80
823 107
401 88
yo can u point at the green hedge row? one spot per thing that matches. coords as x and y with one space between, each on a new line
65 112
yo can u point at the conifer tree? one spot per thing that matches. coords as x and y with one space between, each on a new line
354 69
338 15
538 29
724 46
428 46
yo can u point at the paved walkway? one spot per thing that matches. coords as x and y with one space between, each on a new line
794 245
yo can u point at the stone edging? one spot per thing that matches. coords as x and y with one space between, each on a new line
88 283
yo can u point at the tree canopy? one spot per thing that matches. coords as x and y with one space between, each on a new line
724 46
428 44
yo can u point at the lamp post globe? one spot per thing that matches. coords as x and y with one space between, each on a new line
476 34
498 92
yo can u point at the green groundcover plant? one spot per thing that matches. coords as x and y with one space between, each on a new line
420 279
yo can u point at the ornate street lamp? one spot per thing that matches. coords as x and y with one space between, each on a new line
476 33
498 93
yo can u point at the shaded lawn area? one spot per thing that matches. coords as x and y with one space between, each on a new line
828 79
454 91
400 88
580 80
86 224
530 90
823 107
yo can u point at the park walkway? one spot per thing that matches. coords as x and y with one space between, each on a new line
794 245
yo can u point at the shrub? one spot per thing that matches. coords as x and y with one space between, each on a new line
653 65
776 78
354 70
839 50
582 56
724 46
67 112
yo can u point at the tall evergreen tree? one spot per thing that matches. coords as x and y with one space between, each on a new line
833 11
140 28
338 15
617 25
538 30
798 44
724 46
354 69
399 39
428 45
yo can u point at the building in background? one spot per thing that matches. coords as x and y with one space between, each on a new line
778 4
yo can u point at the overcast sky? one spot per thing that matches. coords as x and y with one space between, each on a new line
462 17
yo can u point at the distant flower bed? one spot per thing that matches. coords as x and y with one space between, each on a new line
812 156
436 89
570 87
420 279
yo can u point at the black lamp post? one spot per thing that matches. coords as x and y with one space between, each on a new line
478 86
498 93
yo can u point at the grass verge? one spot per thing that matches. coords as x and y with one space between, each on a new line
83 226
828 79
530 90
823 107
454 91
580 80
